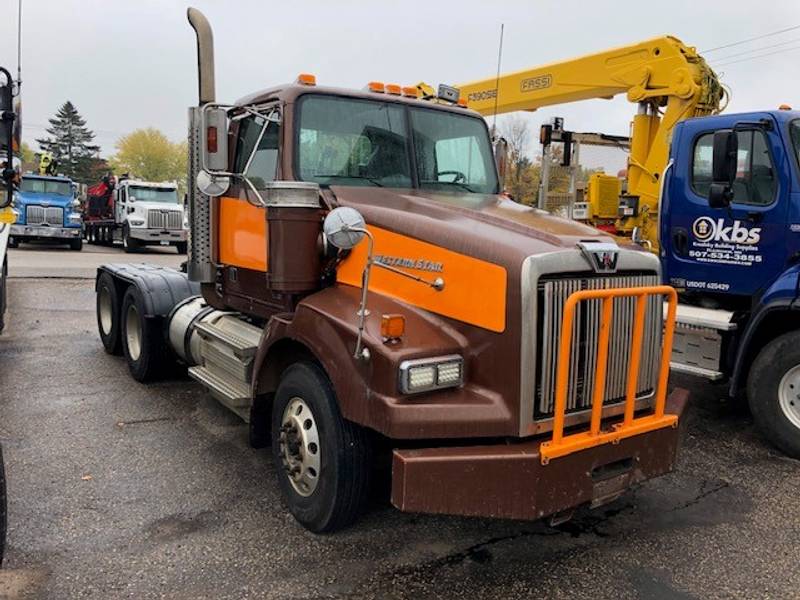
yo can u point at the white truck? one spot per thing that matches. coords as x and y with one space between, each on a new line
136 213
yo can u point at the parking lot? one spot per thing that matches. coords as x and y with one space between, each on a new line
121 490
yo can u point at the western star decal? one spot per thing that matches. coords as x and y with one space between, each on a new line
419 264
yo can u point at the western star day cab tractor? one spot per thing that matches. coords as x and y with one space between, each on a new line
136 213
47 210
358 289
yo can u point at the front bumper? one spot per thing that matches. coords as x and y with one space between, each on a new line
155 236
510 481
45 232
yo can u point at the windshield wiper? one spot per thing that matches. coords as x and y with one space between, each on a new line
370 179
458 183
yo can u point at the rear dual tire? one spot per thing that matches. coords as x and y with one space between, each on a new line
142 341
108 311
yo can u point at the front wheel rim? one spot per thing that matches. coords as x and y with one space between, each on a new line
299 446
133 332
789 395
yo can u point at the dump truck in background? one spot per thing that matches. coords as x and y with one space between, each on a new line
365 307
135 213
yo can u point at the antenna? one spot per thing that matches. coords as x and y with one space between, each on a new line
497 82
19 45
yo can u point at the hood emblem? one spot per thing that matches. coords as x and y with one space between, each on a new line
602 256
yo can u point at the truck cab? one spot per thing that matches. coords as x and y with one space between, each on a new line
150 213
360 293
730 234
48 210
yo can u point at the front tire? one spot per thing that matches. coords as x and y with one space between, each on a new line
13 242
128 243
76 244
773 392
182 247
321 459
142 343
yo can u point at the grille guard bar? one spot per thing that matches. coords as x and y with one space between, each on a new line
562 445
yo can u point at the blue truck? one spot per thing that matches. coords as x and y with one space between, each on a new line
47 210
729 235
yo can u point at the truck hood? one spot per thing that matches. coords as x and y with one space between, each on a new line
486 226
24 198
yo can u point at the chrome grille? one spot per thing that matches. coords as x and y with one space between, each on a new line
44 215
164 219
553 293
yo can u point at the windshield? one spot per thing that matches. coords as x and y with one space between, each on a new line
46 186
146 194
349 141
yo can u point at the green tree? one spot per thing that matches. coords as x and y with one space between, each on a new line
70 142
148 154
28 157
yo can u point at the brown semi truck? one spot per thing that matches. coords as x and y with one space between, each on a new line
358 289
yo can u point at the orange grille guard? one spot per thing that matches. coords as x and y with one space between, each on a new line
562 445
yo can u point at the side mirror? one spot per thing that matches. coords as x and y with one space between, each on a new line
723 168
344 227
501 159
212 185
7 136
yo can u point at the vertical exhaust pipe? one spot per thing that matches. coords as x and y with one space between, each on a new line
205 55
201 265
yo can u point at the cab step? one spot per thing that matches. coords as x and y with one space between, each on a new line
232 393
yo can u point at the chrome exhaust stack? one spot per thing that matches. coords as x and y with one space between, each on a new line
201 265
205 55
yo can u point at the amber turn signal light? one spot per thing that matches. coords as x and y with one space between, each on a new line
393 326
410 91
393 88
375 86
307 79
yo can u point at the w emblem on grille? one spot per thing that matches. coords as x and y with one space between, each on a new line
602 256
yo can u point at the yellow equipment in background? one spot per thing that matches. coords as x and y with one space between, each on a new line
668 80
602 195
47 164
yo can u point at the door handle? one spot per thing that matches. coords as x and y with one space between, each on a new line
680 241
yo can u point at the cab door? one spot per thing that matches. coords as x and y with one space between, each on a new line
735 250
242 225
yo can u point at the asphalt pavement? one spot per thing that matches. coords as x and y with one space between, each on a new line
123 490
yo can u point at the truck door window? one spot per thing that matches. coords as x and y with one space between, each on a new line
265 161
755 182
453 152
343 141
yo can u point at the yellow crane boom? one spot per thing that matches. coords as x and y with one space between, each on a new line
669 80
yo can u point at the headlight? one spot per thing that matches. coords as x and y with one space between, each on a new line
75 217
436 373
136 222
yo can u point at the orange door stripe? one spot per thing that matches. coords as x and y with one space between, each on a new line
242 234
474 290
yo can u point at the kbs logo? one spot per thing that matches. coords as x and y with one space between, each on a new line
706 229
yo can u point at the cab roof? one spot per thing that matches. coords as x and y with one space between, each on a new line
288 93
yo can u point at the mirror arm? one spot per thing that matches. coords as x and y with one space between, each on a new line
437 284
360 352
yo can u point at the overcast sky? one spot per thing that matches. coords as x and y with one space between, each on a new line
131 64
